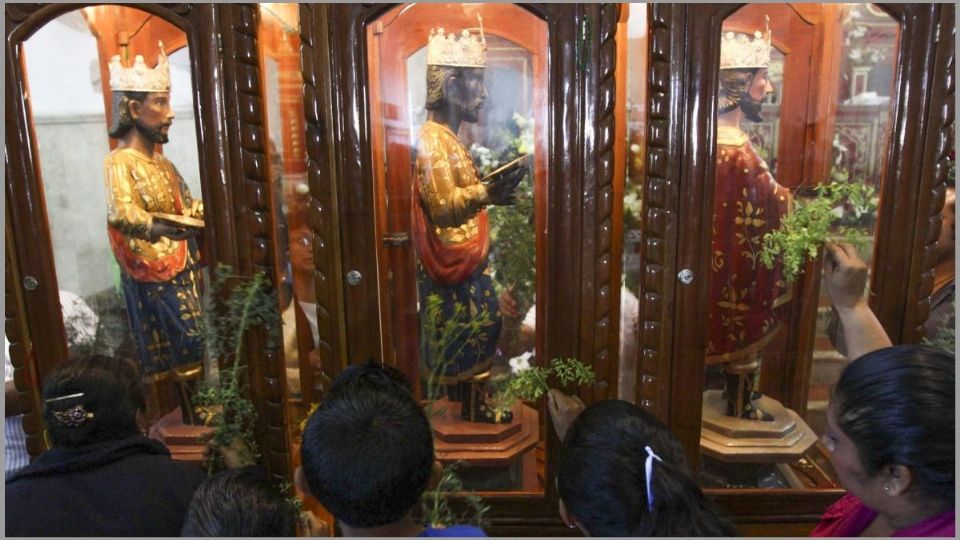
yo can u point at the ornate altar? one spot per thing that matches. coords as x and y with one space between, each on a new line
298 126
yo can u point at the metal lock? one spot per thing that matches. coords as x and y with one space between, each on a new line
30 283
354 277
685 276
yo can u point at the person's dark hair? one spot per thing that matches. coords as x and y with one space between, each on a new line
733 86
241 503
106 388
436 81
603 484
897 406
121 122
367 450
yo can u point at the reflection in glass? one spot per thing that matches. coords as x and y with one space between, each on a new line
130 286
865 90
279 39
637 43
799 112
457 114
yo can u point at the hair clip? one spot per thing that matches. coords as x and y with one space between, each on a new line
648 466
69 396
74 416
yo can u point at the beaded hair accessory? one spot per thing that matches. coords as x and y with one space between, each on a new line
74 416
739 50
465 50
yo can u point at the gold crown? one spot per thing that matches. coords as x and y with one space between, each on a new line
450 50
740 51
140 78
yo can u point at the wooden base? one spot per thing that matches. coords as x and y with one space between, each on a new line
736 440
506 450
182 440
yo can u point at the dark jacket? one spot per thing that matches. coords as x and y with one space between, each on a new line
126 487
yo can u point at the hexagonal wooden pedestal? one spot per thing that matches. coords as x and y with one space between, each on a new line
499 449
182 440
736 440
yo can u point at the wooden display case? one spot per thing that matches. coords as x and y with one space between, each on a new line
346 136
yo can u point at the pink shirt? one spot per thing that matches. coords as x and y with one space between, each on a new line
849 517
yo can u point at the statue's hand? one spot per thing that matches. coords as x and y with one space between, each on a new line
845 275
161 229
235 455
501 189
311 526
564 410
508 304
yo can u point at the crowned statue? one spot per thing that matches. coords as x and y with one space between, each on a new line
152 223
744 297
450 229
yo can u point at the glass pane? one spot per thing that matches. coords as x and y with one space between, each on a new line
457 264
279 39
121 293
861 135
637 43
808 105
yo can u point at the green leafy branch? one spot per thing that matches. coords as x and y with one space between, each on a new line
512 238
435 504
457 332
532 383
812 223
249 304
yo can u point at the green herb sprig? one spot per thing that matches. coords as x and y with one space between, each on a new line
435 504
531 384
249 304
812 223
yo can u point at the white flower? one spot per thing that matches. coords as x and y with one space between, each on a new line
520 363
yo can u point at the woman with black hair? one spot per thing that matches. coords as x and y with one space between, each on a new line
101 477
622 473
890 434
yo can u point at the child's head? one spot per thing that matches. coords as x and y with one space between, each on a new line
239 502
603 482
367 451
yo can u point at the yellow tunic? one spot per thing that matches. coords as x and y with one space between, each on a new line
137 186
448 184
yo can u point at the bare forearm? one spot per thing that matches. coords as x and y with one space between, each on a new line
862 331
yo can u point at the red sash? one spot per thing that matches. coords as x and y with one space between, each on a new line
446 263
142 269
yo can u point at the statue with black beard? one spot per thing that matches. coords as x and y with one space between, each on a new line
745 298
158 259
449 228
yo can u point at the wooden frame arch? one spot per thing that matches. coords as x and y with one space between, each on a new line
680 201
231 149
578 295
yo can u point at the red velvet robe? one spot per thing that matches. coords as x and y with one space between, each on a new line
744 295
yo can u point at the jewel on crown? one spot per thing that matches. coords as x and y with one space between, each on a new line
140 78
739 50
465 50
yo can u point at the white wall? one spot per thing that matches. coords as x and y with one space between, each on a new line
67 103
